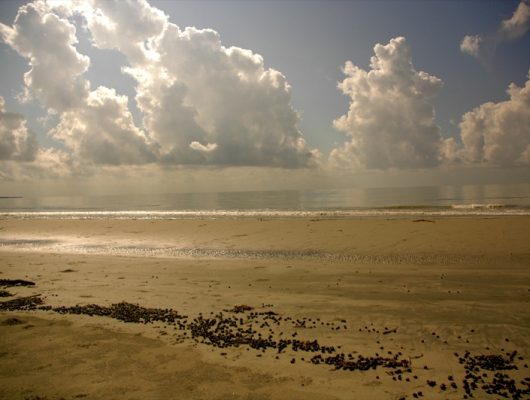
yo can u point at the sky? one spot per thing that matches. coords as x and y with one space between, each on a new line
173 96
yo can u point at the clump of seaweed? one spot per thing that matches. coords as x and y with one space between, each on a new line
15 282
22 303
125 312
500 384
240 308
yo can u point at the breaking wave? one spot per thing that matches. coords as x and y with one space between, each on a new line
457 210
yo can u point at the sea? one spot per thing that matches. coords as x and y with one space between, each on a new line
464 200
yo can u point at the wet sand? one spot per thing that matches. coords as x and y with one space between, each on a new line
381 289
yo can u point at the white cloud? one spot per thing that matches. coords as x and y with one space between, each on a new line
21 158
16 141
497 133
450 150
471 45
200 147
518 24
201 102
126 25
95 126
103 131
510 29
390 122
47 164
48 42
191 88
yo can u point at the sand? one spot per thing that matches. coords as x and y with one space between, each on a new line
422 289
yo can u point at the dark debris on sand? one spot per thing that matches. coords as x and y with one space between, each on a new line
238 328
221 330
5 293
240 308
12 321
361 363
15 282
22 303
487 372
125 312
244 326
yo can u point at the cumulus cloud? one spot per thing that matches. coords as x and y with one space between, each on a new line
200 147
518 24
471 45
95 126
47 164
201 102
193 89
129 26
510 29
390 122
48 42
103 131
21 158
496 133
16 141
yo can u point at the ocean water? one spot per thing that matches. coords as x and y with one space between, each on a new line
336 203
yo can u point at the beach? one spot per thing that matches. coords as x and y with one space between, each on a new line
300 308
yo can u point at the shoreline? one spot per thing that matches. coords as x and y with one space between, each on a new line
421 213
429 308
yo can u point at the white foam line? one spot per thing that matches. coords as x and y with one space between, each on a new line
456 210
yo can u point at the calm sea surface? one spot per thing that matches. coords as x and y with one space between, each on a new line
434 200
